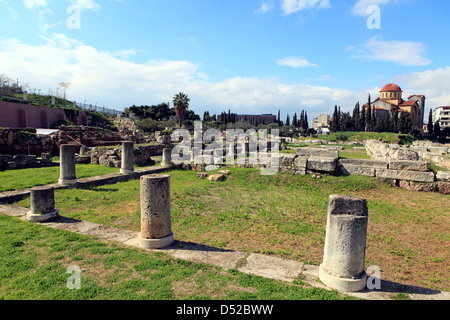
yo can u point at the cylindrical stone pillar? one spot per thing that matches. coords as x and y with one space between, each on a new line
167 157
67 165
127 157
42 200
345 244
156 230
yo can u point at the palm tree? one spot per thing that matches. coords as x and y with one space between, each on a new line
181 104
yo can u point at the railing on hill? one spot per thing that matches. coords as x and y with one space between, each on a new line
75 105
102 110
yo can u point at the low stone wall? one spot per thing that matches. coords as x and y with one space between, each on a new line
112 156
437 153
378 150
9 162
24 141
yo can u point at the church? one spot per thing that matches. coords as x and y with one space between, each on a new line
391 100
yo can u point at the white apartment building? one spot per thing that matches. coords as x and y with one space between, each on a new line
442 114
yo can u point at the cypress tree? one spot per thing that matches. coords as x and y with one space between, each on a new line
306 122
294 120
288 121
430 126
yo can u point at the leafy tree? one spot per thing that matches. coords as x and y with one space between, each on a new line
181 104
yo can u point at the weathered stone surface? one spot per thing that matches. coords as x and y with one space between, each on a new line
348 169
301 163
364 163
409 165
326 164
202 175
443 187
443 176
405 175
216 177
42 200
67 164
381 151
345 243
155 206
127 162
317 152
417 186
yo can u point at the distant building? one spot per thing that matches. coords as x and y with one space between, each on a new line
321 123
391 100
252 119
442 114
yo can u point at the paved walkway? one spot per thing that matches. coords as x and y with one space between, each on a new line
255 264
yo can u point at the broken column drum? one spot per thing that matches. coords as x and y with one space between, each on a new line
67 165
167 157
42 200
156 230
127 158
345 244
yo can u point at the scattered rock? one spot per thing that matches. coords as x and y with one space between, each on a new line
216 177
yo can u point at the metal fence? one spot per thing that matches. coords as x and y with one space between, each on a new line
103 110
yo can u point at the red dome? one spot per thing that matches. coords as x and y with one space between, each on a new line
391 87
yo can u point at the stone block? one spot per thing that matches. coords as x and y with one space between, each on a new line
217 177
325 164
443 176
405 175
409 165
317 152
301 162
364 163
417 186
357 170
443 187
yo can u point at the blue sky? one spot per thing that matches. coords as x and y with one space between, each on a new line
250 56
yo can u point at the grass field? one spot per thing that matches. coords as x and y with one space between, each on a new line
359 136
285 215
35 260
27 178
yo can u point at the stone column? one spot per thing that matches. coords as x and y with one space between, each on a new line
167 157
127 157
42 201
67 165
345 244
156 227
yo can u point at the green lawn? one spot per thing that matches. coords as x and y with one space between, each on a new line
27 178
35 260
359 136
285 215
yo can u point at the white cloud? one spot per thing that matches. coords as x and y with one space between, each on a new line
87 5
399 52
295 62
292 6
266 6
360 7
432 83
109 78
31 4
